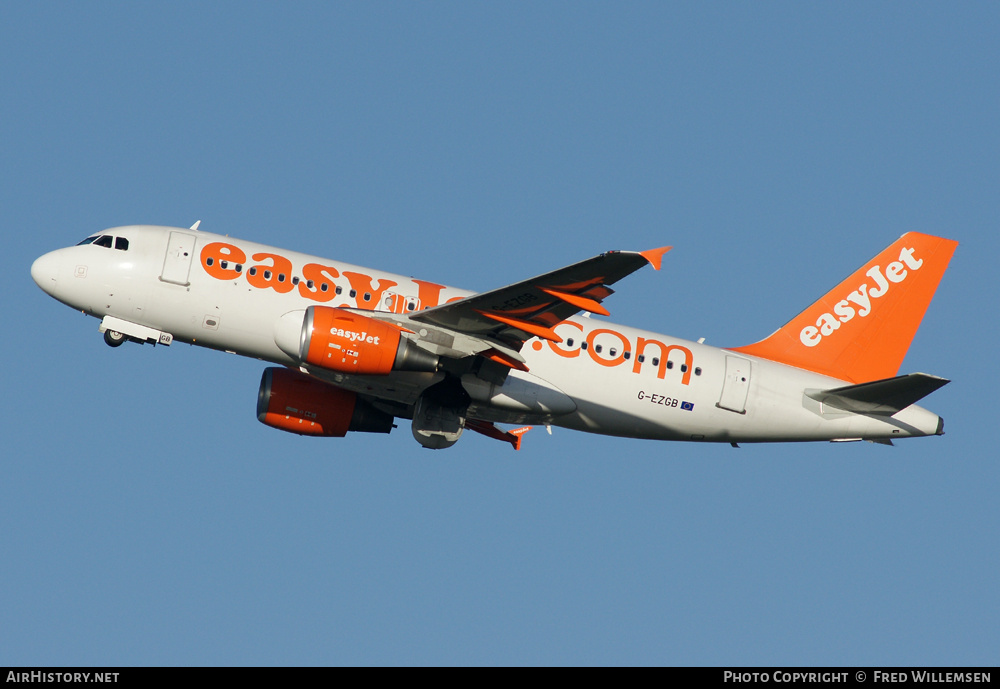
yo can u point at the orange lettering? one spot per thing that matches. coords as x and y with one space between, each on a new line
217 253
430 293
320 275
592 350
277 276
362 284
554 346
640 346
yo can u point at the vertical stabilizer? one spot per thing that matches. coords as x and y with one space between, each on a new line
860 331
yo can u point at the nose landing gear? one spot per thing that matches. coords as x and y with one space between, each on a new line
113 338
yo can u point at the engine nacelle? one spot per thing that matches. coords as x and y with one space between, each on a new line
297 403
434 426
340 340
439 414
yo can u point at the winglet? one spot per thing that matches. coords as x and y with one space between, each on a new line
491 431
655 256
518 433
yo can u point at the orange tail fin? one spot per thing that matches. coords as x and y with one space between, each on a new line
861 329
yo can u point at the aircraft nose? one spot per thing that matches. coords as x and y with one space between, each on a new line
45 270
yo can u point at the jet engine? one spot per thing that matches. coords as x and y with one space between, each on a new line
297 403
340 340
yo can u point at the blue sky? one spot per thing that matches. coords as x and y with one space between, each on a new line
146 517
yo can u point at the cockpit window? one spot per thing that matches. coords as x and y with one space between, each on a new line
106 240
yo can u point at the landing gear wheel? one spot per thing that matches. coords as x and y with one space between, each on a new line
113 338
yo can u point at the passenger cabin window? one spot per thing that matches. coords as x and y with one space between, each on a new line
121 243
103 240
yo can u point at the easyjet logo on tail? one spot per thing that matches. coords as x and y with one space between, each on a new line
859 302
860 330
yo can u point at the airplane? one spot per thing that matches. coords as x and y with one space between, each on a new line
354 349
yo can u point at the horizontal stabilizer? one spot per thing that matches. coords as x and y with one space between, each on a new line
883 397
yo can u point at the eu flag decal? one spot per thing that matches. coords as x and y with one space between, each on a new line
687 406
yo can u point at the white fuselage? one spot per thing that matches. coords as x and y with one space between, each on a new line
603 378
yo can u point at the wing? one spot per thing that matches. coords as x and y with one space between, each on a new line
532 308
493 325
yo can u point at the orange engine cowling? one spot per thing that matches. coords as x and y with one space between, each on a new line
297 403
351 343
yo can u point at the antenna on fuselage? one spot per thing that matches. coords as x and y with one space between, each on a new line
195 226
